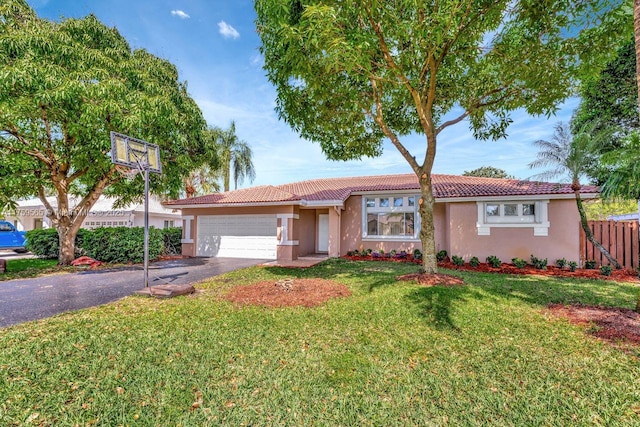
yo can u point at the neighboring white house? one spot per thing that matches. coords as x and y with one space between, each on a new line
31 214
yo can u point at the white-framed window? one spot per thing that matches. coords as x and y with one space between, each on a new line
168 223
390 217
513 214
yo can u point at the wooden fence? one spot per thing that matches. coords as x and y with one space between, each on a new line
620 238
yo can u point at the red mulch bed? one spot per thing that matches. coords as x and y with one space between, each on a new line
288 293
437 279
612 324
625 275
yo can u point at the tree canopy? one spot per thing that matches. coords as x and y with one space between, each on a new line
488 172
351 73
65 85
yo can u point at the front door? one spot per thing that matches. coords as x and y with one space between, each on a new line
323 233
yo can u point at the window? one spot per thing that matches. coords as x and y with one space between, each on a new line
510 212
389 217
168 223
514 214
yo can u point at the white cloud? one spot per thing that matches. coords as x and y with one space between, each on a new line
227 31
180 14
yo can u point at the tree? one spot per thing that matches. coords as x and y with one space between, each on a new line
350 73
65 85
488 172
611 97
235 156
624 179
572 156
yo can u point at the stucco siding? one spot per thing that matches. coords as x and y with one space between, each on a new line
507 243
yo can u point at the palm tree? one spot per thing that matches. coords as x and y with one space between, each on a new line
235 157
203 180
571 156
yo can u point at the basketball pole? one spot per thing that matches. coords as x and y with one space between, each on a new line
146 225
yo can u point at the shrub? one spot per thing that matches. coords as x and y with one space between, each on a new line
367 252
561 263
43 242
494 261
441 255
457 260
172 239
417 254
519 262
606 270
122 244
401 255
393 253
381 252
572 265
540 264
474 261
590 264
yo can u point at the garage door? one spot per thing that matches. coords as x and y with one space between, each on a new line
237 236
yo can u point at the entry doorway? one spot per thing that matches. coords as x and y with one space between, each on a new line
323 233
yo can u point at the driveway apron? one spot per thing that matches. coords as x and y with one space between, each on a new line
23 300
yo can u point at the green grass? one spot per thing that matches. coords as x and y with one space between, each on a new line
29 267
391 354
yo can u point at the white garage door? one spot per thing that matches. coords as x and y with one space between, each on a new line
237 236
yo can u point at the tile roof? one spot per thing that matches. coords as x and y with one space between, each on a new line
339 189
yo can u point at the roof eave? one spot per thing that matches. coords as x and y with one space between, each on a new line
236 205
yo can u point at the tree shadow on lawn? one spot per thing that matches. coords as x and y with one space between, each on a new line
435 303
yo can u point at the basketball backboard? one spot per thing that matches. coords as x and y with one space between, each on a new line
135 153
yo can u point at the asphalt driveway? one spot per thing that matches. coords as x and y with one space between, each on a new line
31 299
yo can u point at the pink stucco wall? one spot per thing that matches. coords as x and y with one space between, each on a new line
456 232
306 226
508 243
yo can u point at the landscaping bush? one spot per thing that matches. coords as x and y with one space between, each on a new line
172 239
474 261
590 264
417 254
122 244
561 263
519 262
606 270
573 265
457 260
494 261
540 264
441 255
43 242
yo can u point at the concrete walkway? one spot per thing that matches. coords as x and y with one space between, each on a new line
23 300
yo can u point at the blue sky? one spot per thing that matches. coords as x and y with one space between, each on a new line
214 45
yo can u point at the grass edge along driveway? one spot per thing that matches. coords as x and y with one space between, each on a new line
391 354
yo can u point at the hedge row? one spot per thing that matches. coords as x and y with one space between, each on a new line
109 244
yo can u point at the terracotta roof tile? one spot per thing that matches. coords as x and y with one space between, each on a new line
339 189
261 194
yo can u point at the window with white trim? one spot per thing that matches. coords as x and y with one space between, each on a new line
389 217
513 214
510 212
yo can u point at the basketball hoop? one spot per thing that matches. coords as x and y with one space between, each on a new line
134 156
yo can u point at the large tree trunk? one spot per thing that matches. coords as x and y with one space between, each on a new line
67 243
589 234
427 237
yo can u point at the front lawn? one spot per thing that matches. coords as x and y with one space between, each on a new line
28 267
390 354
